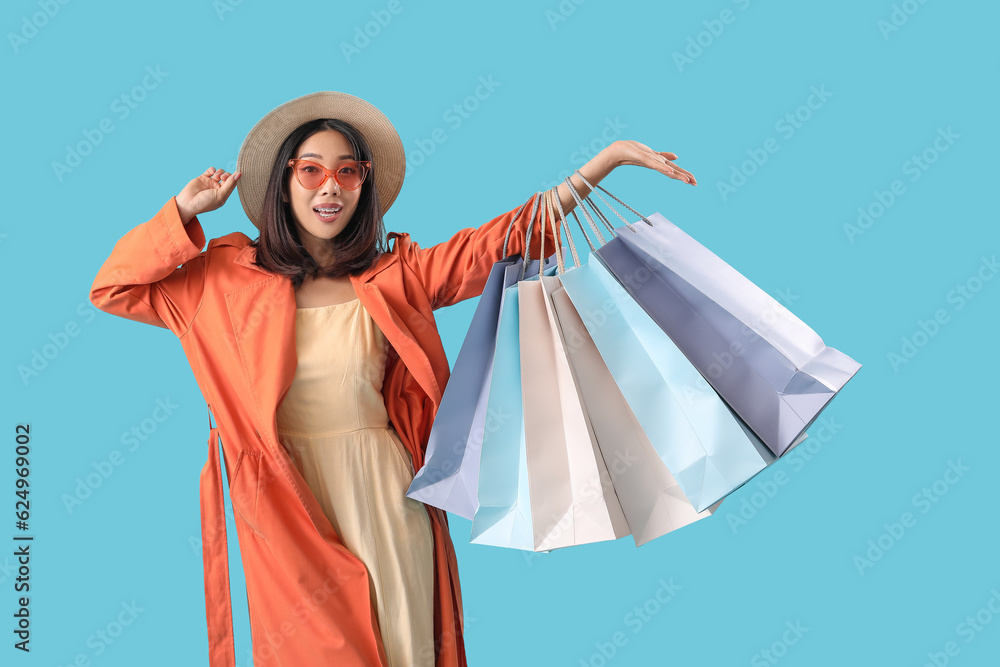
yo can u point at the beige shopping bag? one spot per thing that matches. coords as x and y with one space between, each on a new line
572 496
651 499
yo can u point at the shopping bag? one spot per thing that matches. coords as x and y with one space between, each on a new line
651 499
692 430
572 497
689 425
767 364
629 271
503 512
450 473
539 467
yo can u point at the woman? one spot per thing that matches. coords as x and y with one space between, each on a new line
317 351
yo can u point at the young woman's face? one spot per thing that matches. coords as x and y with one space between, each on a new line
330 149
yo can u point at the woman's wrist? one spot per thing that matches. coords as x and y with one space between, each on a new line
594 171
183 208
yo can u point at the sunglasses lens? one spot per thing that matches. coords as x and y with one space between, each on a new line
309 175
351 175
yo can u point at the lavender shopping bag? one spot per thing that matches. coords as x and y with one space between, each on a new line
450 472
768 365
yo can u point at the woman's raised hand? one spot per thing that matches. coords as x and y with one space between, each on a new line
627 151
206 192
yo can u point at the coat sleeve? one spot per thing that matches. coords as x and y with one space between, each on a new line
457 269
141 280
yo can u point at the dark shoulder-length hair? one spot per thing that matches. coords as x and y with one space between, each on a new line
355 249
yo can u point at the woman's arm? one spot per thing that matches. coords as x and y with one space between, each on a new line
141 280
457 269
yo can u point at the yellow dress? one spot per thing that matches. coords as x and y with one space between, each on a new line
335 427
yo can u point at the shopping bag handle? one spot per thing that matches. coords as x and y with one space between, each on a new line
547 211
527 250
587 201
594 189
551 215
582 205
527 237
510 226
562 223
546 214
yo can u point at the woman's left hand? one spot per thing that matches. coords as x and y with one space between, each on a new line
616 154
627 151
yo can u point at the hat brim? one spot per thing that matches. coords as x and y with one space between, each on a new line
260 148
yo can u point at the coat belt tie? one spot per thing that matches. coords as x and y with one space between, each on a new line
215 555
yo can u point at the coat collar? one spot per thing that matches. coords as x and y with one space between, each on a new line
248 254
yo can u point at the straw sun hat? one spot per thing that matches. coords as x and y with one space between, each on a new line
260 148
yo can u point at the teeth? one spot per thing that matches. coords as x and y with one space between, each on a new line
328 210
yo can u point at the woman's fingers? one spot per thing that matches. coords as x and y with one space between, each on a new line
677 172
217 175
685 175
229 182
222 182
673 171
662 161
226 184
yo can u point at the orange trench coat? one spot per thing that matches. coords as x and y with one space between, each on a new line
308 595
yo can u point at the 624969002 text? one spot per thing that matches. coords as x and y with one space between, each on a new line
22 552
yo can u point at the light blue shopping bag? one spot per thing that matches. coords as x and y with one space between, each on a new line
692 429
503 515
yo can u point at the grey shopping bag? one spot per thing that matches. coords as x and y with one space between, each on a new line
773 370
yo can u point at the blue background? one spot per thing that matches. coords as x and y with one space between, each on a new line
563 73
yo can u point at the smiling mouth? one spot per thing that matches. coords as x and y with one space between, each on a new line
327 214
